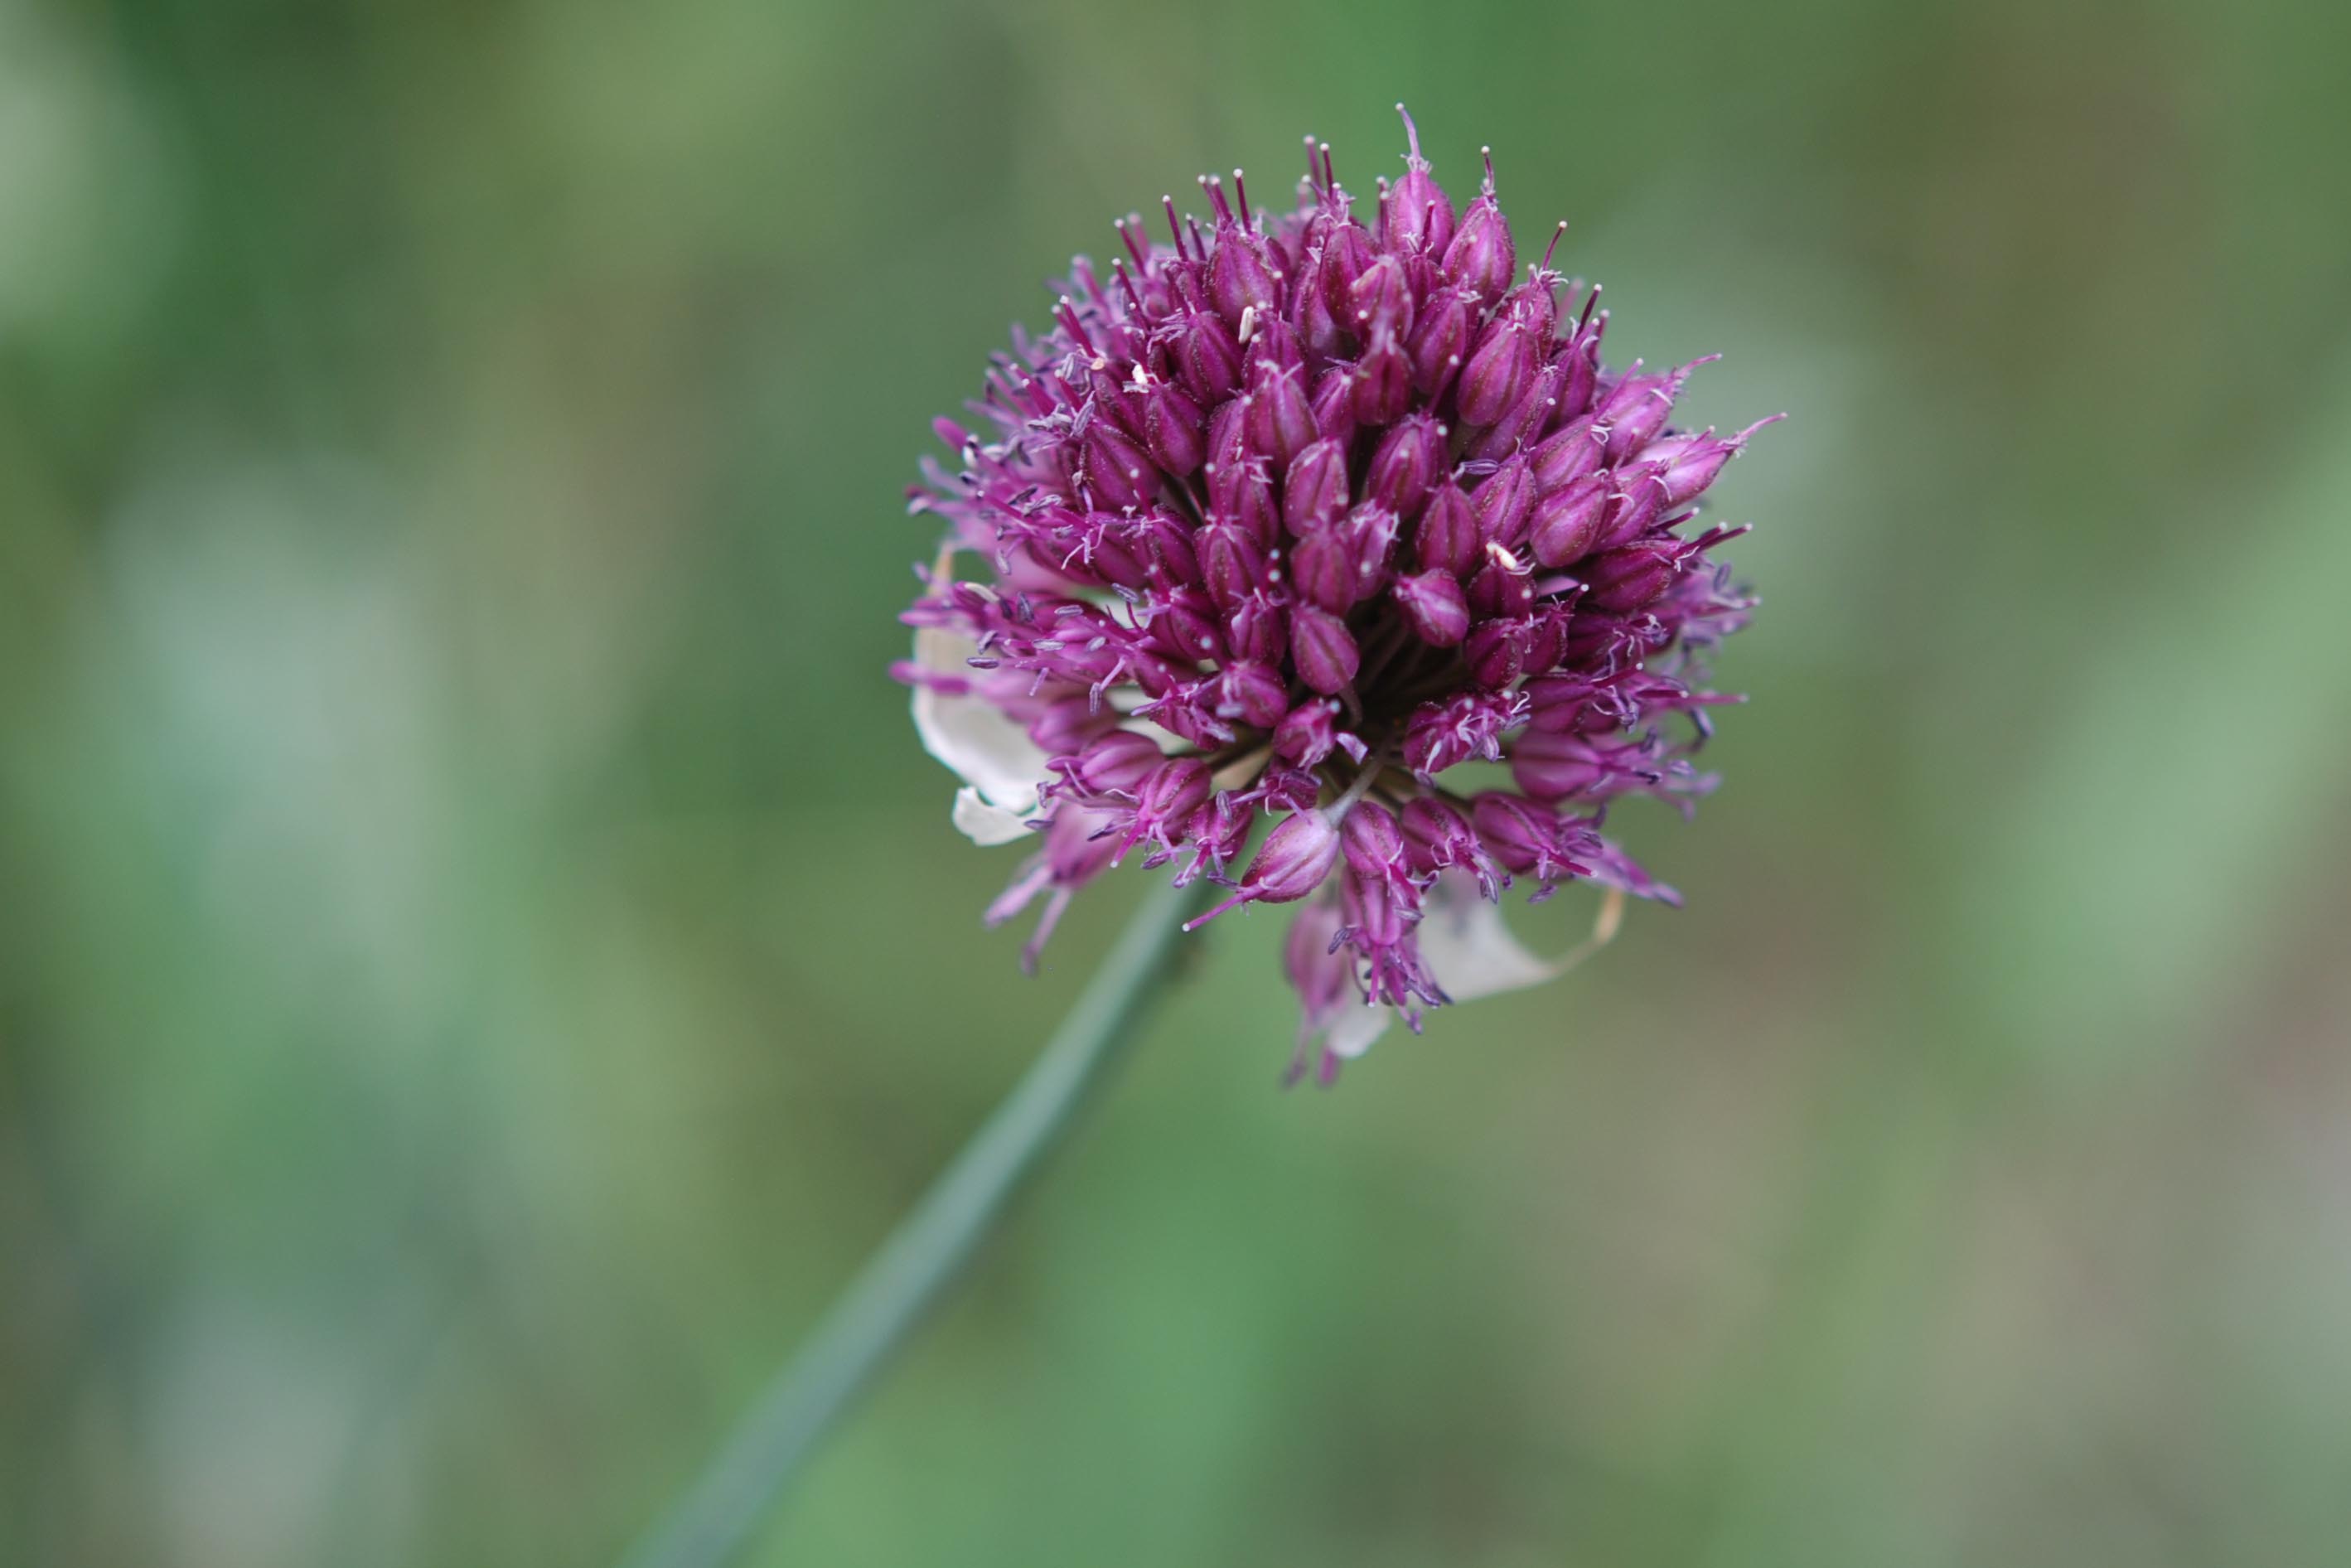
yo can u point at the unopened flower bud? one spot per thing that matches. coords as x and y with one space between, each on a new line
1434 607
1635 576
1440 339
1307 733
1449 539
1252 692
1408 459
1172 428
1324 653
1295 858
1502 503
1258 626
1380 301
1482 257
1417 216
1334 404
1498 373
1382 380
1315 489
1323 569
1231 565
1568 520
1503 586
1207 357
1241 276
1115 762
1281 420
1568 454
1637 501
1118 471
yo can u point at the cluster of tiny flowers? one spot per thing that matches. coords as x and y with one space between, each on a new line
1293 517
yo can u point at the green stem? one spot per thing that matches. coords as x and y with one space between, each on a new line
872 1318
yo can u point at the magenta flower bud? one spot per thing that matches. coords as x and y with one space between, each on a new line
1322 568
1637 502
1498 373
1438 837
1691 463
1105 545
1369 532
1319 330
1258 626
1525 419
1448 538
1434 607
1348 253
1495 652
1635 576
1561 704
1184 624
1440 339
1252 692
1295 858
1416 215
1380 914
1383 380
1241 277
1164 801
1207 357
1307 733
1482 257
1334 404
1380 301
1165 543
1551 767
1298 854
1534 308
1229 444
1568 454
1114 400
1273 344
1118 471
1240 491
1172 429
1580 364
1469 723
1280 420
1374 844
1503 586
1408 459
1639 407
1568 520
1324 653
1113 762
1502 503
1231 565
1524 837
1315 490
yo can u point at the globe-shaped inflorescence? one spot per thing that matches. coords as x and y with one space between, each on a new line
1293 517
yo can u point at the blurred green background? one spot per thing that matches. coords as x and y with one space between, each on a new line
482 956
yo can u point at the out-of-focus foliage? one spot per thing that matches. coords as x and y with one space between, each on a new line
481 955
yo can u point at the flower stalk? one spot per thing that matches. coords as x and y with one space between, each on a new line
874 1317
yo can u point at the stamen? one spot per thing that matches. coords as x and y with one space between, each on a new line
1412 160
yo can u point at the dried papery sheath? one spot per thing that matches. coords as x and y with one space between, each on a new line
1286 521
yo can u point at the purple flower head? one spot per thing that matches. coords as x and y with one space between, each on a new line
1288 517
